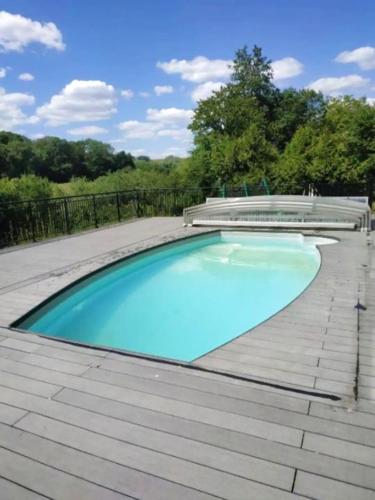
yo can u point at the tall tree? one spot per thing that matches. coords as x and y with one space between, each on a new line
53 158
294 109
338 150
231 127
252 75
249 98
98 158
123 160
16 155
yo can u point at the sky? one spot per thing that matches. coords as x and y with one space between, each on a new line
130 73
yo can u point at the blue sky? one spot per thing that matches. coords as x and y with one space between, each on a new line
130 72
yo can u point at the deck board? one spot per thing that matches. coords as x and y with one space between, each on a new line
78 423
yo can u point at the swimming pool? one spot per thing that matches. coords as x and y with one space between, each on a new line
184 299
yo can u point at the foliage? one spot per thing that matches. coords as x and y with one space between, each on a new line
15 154
294 109
241 129
58 159
250 128
340 150
26 187
247 130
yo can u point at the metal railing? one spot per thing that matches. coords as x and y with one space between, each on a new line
33 220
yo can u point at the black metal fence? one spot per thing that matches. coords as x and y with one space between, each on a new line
23 221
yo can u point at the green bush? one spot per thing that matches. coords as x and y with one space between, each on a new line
26 187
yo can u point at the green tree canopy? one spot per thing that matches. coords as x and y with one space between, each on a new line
26 187
54 158
240 130
16 154
58 159
247 130
231 128
338 149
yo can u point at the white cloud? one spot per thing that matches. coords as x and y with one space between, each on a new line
163 89
144 94
80 101
161 154
335 85
371 101
138 152
3 72
286 68
16 32
204 90
178 134
27 77
11 113
200 69
127 93
363 56
133 129
173 151
17 98
88 131
175 116
37 135
165 123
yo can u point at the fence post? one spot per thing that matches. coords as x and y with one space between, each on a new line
174 203
265 185
32 220
94 207
137 203
118 207
66 214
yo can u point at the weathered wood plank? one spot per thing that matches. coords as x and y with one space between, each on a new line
225 438
189 474
321 488
49 481
12 491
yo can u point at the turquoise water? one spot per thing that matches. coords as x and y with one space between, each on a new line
184 299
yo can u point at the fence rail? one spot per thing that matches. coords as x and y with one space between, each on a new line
33 220
23 221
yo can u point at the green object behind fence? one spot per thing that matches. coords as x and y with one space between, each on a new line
35 220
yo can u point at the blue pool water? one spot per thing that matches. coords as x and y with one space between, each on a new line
184 299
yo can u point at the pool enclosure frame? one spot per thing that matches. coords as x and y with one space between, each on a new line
304 212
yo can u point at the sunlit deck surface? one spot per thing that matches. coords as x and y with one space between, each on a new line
78 423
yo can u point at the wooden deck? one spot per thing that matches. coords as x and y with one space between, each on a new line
78 423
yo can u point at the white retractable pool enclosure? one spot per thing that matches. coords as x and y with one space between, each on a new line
306 212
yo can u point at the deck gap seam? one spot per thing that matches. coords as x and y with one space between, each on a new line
134 468
61 470
26 487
